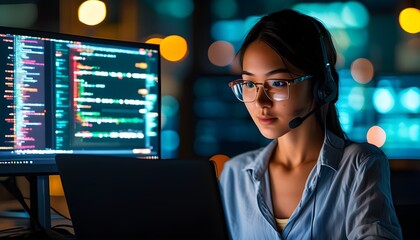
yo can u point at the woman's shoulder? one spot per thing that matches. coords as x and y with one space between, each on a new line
361 152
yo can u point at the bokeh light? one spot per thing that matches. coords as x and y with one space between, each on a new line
383 100
170 140
221 53
228 30
410 99
341 15
154 40
409 20
362 70
414 132
235 66
346 120
376 136
170 106
355 14
356 98
92 12
250 22
341 61
173 48
343 39
175 8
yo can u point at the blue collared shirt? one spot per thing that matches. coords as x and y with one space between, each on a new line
347 195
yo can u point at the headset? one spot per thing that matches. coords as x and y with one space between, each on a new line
328 91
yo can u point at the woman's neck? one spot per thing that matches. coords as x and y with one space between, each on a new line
300 145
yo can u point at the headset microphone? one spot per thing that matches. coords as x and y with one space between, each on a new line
296 122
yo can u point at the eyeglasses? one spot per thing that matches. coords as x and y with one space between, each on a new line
275 89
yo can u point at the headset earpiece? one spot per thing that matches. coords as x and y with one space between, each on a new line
328 92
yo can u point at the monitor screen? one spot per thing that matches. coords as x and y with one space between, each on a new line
71 94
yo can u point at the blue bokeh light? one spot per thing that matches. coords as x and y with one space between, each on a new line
176 8
356 98
335 15
227 30
383 100
170 138
170 106
410 99
355 15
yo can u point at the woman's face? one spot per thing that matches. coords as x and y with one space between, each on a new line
260 62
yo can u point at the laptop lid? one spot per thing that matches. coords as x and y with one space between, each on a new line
127 198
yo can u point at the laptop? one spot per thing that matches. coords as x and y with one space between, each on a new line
112 197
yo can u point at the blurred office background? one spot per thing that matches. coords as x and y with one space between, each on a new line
378 44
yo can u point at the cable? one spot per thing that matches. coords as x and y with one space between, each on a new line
61 229
55 210
59 213
13 229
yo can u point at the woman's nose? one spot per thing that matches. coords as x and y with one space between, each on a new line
262 99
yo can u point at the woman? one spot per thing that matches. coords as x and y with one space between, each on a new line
310 182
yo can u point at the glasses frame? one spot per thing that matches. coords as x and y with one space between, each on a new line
288 81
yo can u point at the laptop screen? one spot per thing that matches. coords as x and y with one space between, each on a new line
126 198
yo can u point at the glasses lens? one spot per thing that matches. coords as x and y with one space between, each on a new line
237 89
276 89
249 91
245 91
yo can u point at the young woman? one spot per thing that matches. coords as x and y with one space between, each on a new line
310 182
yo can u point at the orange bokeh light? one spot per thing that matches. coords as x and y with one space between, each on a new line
362 70
376 136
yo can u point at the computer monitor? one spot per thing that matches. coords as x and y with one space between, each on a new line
65 94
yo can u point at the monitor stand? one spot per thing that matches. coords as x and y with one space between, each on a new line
40 201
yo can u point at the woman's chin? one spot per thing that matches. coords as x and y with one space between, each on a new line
270 134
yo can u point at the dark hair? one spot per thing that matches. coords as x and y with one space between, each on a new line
295 37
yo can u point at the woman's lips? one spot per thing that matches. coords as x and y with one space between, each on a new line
266 120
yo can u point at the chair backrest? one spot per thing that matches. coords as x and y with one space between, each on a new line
219 161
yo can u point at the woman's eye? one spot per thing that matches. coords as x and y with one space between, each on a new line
249 84
277 83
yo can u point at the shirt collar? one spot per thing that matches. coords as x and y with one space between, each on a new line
332 150
258 166
330 155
